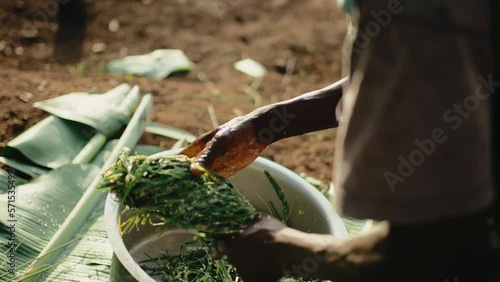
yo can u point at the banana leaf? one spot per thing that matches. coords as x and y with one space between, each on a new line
41 206
89 259
157 64
55 206
51 143
4 180
58 139
78 218
24 167
106 113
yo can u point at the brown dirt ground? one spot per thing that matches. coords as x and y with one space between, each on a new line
213 33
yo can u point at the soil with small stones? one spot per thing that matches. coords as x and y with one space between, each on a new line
306 36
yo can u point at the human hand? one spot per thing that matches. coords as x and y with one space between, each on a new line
226 149
252 251
267 250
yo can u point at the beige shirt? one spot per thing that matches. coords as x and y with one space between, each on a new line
414 135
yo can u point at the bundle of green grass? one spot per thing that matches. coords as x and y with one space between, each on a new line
163 191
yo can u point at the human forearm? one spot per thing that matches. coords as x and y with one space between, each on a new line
323 256
232 146
309 112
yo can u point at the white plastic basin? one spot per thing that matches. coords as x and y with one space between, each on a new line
311 212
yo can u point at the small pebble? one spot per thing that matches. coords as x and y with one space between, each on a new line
7 50
29 33
123 51
19 50
42 86
26 97
98 47
41 46
114 25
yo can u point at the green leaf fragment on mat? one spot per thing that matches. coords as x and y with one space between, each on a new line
251 68
157 64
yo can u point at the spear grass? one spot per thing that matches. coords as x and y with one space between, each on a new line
162 191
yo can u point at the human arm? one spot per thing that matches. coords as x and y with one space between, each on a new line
235 144
268 250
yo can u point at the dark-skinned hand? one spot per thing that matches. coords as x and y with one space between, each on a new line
226 149
252 251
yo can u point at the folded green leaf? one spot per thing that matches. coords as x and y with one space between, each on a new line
51 143
157 64
83 209
107 112
24 166
4 180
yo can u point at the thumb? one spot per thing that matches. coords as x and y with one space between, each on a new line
199 143
206 158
